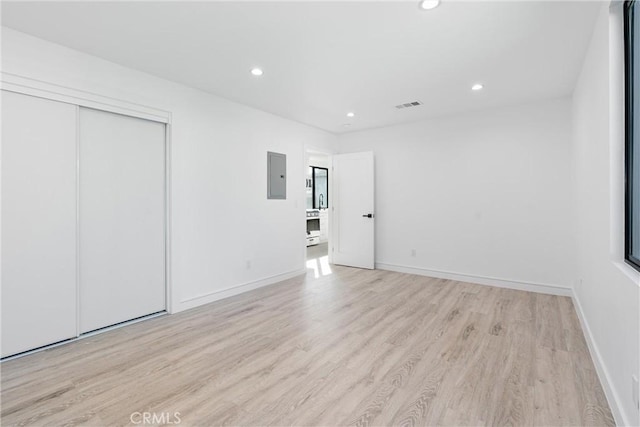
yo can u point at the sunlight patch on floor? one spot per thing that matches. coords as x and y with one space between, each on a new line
320 266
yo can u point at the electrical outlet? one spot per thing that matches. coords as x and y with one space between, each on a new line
248 264
635 392
413 253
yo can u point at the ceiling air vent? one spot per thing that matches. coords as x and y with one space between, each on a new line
409 104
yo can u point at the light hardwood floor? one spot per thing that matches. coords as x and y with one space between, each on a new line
317 251
354 347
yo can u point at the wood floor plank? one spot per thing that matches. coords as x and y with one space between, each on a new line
550 333
355 347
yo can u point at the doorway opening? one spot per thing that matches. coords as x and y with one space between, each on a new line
317 205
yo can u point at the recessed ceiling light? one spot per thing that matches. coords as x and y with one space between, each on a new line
477 86
257 71
350 114
429 4
346 125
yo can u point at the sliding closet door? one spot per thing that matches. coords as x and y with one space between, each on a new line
122 218
38 222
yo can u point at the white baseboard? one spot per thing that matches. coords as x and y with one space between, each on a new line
234 290
603 374
540 288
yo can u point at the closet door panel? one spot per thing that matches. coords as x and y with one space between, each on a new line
122 218
39 287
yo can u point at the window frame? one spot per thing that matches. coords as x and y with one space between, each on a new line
630 143
313 187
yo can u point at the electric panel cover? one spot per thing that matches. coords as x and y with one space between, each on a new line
276 176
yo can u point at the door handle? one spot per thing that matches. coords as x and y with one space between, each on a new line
367 216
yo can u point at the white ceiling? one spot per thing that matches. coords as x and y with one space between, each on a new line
323 59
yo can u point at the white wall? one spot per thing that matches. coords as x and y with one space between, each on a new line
484 194
317 159
221 217
606 291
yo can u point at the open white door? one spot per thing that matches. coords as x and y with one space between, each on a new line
353 215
